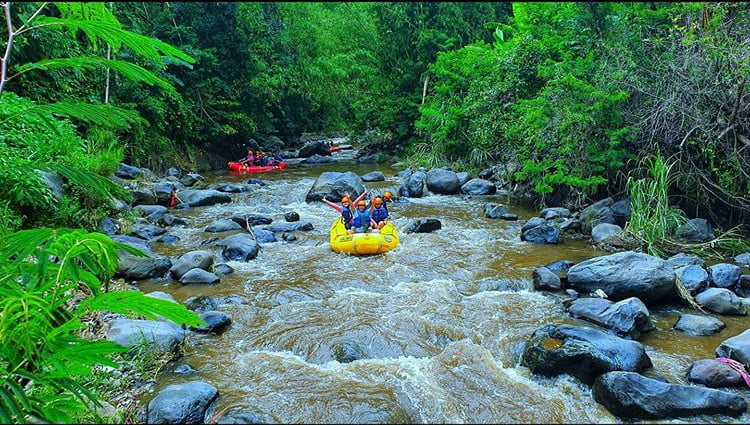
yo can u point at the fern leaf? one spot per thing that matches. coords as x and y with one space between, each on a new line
129 70
128 302
90 182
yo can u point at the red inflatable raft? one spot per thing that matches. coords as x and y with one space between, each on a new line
236 166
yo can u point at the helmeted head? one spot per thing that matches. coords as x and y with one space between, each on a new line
377 202
387 196
250 151
361 204
346 201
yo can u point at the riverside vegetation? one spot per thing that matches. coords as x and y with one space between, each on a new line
559 103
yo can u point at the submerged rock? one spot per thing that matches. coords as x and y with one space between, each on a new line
629 394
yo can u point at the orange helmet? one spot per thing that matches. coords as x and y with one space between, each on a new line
361 204
345 199
387 195
377 201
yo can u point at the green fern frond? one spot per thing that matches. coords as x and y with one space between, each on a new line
116 37
127 302
129 70
92 183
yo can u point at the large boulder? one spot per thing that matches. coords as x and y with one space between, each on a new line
109 226
424 225
722 301
463 177
132 267
546 233
143 195
184 403
315 147
198 276
222 225
582 352
624 275
599 212
554 212
628 318
333 185
239 247
443 182
698 325
725 275
200 198
157 334
190 179
695 230
125 171
714 374
479 187
546 280
736 348
682 259
413 187
190 260
629 394
621 212
290 227
146 231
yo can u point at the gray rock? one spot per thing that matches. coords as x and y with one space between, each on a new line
621 212
725 275
628 318
683 259
375 176
629 394
714 374
200 198
624 275
424 225
742 288
698 325
602 231
171 171
236 416
443 182
291 227
201 304
413 187
222 225
170 220
508 217
190 260
311 148
554 212
545 233
479 187
109 226
333 185
495 210
146 231
249 220
721 300
318 159
216 322
532 223
125 171
162 296
190 179
140 268
264 236
545 280
160 335
142 195
178 368
291 216
184 403
199 277
234 188
743 259
599 212
240 247
736 348
695 230
694 278
369 159
53 182
582 352
223 269
137 243
256 181
571 225
152 212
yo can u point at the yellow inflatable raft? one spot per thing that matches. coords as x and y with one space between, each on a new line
363 243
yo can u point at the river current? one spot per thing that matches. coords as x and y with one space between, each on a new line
437 325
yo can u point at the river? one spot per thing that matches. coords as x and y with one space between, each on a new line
439 323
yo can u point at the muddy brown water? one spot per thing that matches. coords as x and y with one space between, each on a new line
439 322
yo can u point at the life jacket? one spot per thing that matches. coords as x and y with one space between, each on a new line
346 215
173 201
379 213
361 218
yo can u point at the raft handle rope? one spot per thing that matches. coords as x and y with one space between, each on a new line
739 367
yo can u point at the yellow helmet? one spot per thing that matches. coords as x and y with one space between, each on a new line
361 204
377 201
387 195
